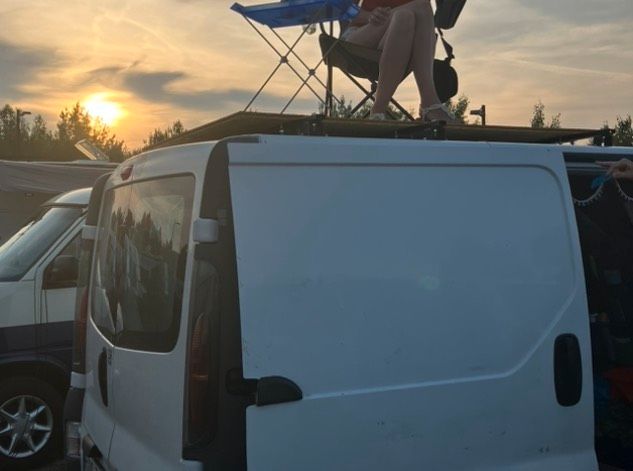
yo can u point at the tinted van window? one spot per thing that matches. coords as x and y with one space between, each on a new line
21 251
140 265
108 267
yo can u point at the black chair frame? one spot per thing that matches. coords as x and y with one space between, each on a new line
354 62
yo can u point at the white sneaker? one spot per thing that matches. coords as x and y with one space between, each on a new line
450 117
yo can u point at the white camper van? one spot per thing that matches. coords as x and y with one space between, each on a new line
38 276
318 303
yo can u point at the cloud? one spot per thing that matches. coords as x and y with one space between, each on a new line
583 12
19 66
159 87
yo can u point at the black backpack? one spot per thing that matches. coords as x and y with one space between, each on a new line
445 76
447 12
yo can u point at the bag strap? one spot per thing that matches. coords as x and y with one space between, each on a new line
447 47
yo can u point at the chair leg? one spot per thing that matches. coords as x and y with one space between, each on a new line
361 104
369 95
329 99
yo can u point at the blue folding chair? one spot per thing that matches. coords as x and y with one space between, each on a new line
295 13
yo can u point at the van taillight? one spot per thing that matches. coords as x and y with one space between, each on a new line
79 339
198 381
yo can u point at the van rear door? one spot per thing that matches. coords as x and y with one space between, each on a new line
411 305
151 327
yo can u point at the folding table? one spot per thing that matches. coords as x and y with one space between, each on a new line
295 13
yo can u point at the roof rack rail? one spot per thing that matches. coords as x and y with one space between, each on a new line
243 123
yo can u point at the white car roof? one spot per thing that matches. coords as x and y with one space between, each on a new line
79 197
187 158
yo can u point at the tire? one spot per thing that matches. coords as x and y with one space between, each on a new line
32 395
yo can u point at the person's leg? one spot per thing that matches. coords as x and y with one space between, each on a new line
396 48
424 51
423 54
367 35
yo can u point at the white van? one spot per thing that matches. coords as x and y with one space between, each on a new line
315 303
38 276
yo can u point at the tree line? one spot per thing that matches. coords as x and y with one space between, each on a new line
32 139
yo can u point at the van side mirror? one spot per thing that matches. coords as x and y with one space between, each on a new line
61 273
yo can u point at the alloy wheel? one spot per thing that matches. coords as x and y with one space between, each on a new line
26 425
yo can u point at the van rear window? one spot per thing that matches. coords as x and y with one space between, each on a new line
140 263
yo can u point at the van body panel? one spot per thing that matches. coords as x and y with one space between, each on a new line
59 305
98 413
420 288
17 341
17 303
155 442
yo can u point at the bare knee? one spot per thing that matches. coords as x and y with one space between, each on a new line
403 21
421 8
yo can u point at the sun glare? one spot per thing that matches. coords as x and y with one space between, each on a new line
99 107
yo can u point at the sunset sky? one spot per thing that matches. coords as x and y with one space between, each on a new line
142 64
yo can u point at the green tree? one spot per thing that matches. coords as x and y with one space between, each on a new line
77 124
623 135
459 107
539 119
40 139
7 132
158 136
35 139
7 123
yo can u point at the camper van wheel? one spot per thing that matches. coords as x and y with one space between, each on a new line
30 422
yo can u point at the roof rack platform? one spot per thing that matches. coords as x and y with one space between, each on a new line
244 123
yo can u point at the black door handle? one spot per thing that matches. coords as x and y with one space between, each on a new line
103 375
276 390
567 370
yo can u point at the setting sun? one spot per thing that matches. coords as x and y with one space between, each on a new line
99 107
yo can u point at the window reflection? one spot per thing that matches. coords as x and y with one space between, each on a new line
141 262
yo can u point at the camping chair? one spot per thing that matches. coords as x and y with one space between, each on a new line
355 62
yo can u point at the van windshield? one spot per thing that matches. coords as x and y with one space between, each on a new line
21 251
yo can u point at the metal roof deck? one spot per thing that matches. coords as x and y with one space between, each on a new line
243 123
